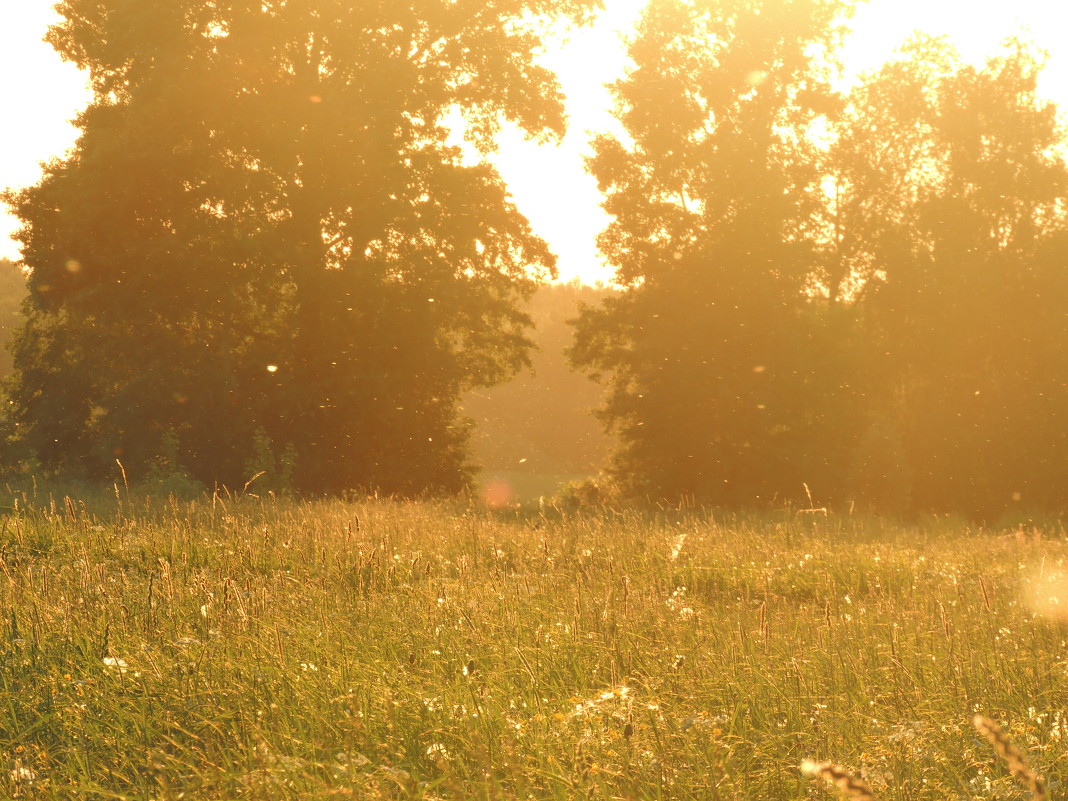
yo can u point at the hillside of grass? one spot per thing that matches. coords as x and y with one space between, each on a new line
262 649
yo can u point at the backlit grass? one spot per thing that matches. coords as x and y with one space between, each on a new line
267 649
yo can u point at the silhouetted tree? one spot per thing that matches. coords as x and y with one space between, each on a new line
262 232
723 383
953 199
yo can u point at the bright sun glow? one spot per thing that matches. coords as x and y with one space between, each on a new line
549 182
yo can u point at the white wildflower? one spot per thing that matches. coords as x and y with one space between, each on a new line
119 666
437 752
22 774
676 546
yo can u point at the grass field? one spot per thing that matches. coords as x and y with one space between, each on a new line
229 649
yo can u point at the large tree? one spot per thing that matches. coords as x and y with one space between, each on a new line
722 385
262 226
952 211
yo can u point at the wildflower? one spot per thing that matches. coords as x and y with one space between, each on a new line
352 759
676 546
116 665
398 775
22 774
437 752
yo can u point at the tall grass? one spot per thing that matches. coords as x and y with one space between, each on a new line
246 648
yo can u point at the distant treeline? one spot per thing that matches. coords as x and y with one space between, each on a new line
264 256
542 421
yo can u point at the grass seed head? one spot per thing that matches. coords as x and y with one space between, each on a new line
848 785
1013 757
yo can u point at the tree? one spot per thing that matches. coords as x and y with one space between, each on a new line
12 295
721 386
263 228
953 208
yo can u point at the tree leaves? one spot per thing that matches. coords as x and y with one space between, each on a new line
706 351
270 184
868 317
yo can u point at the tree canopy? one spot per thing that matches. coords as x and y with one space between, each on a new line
264 228
953 219
715 369
267 251
859 296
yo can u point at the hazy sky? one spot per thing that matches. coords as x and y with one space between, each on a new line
40 94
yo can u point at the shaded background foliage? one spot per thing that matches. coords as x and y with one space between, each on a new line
967 302
12 294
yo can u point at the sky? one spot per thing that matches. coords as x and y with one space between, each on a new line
39 95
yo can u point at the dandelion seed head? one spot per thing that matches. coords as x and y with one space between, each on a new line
116 665
22 774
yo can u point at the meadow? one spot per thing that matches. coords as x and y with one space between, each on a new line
243 647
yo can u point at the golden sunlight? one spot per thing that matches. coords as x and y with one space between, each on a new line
549 182
571 219
41 95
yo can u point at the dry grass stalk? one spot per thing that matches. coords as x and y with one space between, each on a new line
1015 758
849 785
